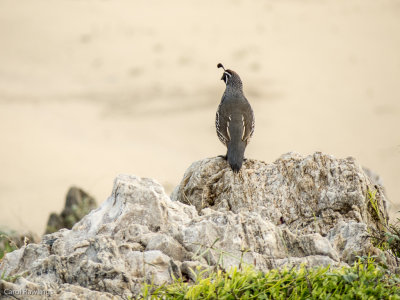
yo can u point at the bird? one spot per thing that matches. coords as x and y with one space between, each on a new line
234 119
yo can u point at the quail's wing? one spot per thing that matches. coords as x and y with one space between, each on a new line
222 120
248 124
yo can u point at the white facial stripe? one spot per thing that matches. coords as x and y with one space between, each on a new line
226 76
227 127
244 127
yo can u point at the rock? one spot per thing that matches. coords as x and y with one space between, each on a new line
312 210
308 194
77 205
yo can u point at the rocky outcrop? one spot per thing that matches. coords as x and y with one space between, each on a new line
78 204
313 210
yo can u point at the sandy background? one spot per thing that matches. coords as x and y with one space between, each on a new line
90 89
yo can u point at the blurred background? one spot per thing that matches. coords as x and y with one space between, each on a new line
90 89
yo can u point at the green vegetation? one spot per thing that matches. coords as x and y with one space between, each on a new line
6 244
388 240
374 204
388 237
364 280
10 278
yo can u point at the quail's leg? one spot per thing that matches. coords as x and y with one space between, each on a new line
224 156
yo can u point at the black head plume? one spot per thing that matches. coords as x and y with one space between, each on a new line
220 66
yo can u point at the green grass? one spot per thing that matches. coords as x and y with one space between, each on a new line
371 195
387 236
6 245
11 278
364 280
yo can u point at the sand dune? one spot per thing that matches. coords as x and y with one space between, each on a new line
90 89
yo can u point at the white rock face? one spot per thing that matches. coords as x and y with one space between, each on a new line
296 210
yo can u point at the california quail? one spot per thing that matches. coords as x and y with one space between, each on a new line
234 120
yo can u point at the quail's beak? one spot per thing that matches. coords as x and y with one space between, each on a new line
223 77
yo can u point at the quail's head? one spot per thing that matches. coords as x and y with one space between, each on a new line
231 78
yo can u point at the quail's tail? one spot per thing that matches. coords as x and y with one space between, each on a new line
235 155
